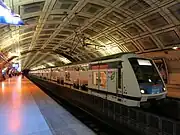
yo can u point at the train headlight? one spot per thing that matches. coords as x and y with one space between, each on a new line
142 91
164 89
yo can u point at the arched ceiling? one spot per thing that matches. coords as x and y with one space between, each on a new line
59 30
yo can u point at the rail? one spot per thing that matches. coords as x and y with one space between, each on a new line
118 115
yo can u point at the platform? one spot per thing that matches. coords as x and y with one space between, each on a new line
26 110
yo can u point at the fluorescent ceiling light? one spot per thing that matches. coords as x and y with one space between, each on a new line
64 60
175 47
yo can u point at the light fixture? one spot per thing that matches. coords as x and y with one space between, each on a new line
8 17
65 60
142 91
149 80
11 54
164 89
50 64
175 48
38 67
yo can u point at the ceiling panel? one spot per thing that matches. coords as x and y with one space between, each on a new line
64 4
135 6
133 29
32 7
131 46
174 9
155 21
115 17
169 38
92 9
147 43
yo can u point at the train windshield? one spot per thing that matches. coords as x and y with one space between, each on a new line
145 71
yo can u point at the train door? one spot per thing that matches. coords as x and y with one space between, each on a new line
119 79
114 77
93 81
112 81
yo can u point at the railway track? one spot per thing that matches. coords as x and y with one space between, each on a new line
169 108
162 114
97 125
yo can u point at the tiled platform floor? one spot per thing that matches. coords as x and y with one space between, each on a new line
26 110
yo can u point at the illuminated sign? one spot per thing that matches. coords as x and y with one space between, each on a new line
7 16
144 62
104 66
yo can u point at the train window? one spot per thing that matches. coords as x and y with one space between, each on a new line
100 78
145 71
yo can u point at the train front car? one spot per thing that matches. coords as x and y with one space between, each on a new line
151 85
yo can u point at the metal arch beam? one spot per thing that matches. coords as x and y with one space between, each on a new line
77 8
86 25
42 63
50 51
25 60
66 56
49 5
40 59
21 57
56 58
32 58
44 52
51 55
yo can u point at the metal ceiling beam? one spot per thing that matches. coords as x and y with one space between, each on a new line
32 59
38 60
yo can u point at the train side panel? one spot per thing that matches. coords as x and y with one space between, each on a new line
83 76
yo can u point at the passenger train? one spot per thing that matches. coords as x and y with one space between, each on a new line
124 78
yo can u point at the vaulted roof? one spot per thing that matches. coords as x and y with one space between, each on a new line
63 31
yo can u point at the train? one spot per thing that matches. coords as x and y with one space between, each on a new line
126 79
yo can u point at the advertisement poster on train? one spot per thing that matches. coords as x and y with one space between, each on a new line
161 65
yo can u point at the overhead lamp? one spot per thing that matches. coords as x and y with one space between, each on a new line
65 60
38 67
51 64
11 54
175 48
7 16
